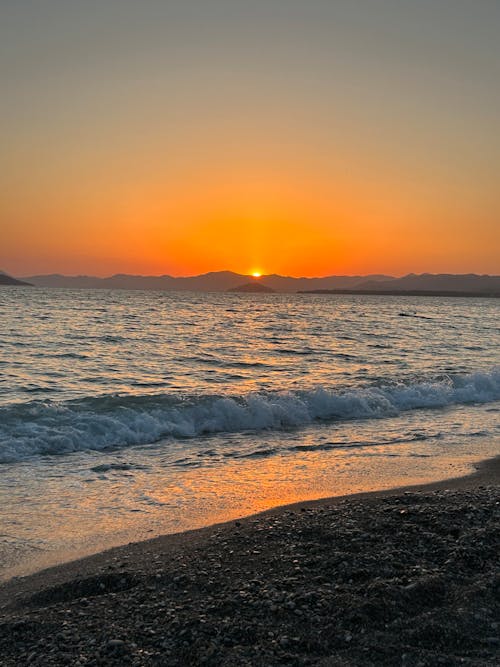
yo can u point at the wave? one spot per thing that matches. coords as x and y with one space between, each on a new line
50 427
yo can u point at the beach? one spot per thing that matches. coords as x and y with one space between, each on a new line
250 334
402 577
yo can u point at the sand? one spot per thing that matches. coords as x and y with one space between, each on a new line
402 577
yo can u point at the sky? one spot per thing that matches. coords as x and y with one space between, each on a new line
273 136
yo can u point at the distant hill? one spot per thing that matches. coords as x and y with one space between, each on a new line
441 282
254 287
5 279
218 281
213 282
289 284
223 281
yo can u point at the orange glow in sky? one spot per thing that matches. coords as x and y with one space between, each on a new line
303 139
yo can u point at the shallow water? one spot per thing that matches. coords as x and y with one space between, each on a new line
127 414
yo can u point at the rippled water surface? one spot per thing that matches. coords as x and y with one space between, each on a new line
123 412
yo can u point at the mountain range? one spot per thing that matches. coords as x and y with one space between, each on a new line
443 282
217 281
222 281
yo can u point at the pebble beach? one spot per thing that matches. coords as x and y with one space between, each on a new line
408 577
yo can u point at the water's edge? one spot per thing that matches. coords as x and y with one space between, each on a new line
61 564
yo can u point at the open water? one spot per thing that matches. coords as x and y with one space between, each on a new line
127 414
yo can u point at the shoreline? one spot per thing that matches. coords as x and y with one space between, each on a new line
310 479
486 472
405 577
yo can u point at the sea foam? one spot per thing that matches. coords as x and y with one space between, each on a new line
48 428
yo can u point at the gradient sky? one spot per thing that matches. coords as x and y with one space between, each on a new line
290 136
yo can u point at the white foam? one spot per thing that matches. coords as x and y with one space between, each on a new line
44 428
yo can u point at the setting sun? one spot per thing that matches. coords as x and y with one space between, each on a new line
305 147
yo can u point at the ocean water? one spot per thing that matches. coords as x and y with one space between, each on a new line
127 414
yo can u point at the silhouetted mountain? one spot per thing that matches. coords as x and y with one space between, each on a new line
442 282
5 279
289 284
222 281
254 287
217 281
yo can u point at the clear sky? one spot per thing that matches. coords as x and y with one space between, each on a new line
298 137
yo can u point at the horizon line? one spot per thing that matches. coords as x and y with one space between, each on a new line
246 275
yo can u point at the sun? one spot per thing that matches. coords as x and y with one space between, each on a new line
256 274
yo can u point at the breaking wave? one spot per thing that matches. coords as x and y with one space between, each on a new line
49 428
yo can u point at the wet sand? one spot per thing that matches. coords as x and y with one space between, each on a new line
402 577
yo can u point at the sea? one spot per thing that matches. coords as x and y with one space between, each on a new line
129 414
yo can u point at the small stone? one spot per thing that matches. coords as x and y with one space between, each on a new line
116 645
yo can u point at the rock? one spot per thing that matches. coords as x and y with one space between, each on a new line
116 646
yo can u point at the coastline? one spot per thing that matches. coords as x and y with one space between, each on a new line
188 578
486 472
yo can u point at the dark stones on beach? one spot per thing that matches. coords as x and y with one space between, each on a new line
410 581
101 584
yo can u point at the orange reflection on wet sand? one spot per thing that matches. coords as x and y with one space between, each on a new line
119 506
